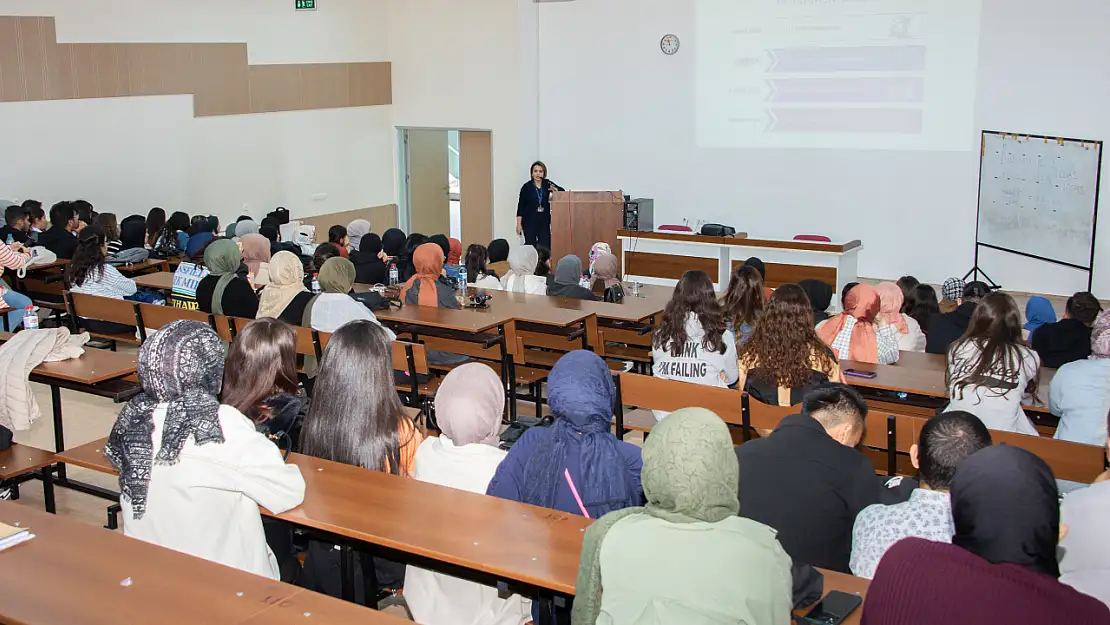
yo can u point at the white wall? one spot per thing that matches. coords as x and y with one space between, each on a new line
615 112
128 154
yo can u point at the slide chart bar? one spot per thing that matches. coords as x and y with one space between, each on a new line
847 59
864 120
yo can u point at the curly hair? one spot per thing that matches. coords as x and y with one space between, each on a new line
693 294
743 302
784 344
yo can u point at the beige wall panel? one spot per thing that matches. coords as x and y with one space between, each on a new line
275 88
220 79
371 84
325 85
108 74
381 218
476 186
11 63
84 70
63 76
33 42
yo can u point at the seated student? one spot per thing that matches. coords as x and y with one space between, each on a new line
337 236
393 243
691 343
951 292
454 256
862 332
37 218
428 287
785 359
1001 566
845 291
1038 312
334 307
17 224
246 226
1069 339
945 328
14 257
367 258
944 442
605 278
107 223
61 238
186 279
405 265
807 480
521 277
356 418
180 221
451 272
1079 393
476 271
990 368
225 290
468 404
543 266
758 265
90 274
891 300
173 239
196 222
743 301
924 307
702 563
255 250
155 222
599 248
203 232
132 233
355 231
193 473
85 211
568 278
820 298
285 296
1084 552
498 251
907 284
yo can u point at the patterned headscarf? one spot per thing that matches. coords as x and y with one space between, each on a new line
181 366
598 249
953 289
1100 336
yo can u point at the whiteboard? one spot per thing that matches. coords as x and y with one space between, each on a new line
1038 196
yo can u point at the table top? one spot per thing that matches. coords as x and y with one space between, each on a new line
93 367
741 239
466 320
162 280
634 309
150 263
72 573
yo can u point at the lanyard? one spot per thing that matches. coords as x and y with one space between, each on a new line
539 194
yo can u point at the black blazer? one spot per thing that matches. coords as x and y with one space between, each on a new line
527 203
944 329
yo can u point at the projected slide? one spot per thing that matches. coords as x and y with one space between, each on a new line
863 74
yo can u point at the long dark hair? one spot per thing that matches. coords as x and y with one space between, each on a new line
107 221
693 294
784 348
356 417
261 363
336 235
995 332
543 267
475 261
907 284
178 222
743 302
923 305
155 221
88 258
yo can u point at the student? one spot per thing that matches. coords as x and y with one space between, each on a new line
404 262
924 307
393 243
260 380
820 298
61 238
285 296
567 282
946 328
203 232
522 277
498 257
1085 550
355 231
944 442
1038 312
785 359
758 265
861 333
155 223
334 307
743 302
807 480
15 258
16 225
845 291
692 343
243 227
702 561
543 266
90 274
107 223
427 287
891 300
337 236
85 211
37 217
225 290
468 406
177 226
132 233
193 473
990 368
952 291
605 278
907 284
599 248
1001 566
256 256
323 254
452 273
476 271
454 256
1079 393
367 259
186 279
1069 339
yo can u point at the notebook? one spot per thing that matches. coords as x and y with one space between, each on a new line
11 536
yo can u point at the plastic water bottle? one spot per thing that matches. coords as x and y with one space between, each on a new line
30 318
393 276
584 282
10 239
316 283
462 281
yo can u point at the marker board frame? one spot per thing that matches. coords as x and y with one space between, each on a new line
1089 268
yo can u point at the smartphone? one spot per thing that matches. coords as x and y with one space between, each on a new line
833 608
860 374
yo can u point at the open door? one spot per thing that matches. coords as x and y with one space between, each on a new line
476 186
428 183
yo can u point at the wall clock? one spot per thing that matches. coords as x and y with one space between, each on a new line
669 44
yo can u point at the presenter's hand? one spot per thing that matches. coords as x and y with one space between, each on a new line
519 229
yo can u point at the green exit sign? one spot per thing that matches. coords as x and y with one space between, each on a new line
305 5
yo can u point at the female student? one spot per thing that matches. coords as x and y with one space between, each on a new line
173 239
952 291
743 302
498 257
355 231
367 258
1038 312
605 278
393 243
256 256
193 473
337 236
924 306
285 296
820 298
1001 566
543 265
891 300
404 262
108 223
225 291
427 286
155 222
907 284
469 405
599 248
522 277
692 343
568 274
14 258
334 307
990 368
476 271
90 274
451 272
702 560
785 359
861 333
1079 393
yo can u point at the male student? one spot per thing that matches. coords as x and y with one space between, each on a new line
1069 339
16 225
944 329
61 238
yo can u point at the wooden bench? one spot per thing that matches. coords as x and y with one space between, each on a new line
155 317
96 308
20 463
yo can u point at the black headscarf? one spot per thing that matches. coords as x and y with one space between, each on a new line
441 240
498 250
820 297
132 232
371 244
1006 508
759 266
393 242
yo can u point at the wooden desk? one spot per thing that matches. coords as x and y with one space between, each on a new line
147 266
633 309
161 281
466 320
71 574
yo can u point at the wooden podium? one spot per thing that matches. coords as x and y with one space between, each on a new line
581 218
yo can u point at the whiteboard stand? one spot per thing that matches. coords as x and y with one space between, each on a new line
1038 198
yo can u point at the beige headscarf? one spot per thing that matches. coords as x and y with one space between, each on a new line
522 264
469 404
286 281
256 250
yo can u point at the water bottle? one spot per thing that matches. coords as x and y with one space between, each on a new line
393 276
30 318
10 239
316 283
584 282
462 281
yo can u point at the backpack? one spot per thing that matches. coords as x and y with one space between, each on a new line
167 246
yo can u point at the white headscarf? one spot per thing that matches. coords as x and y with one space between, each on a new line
522 263
355 231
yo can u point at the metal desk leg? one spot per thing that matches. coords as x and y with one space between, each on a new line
347 574
48 488
59 435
